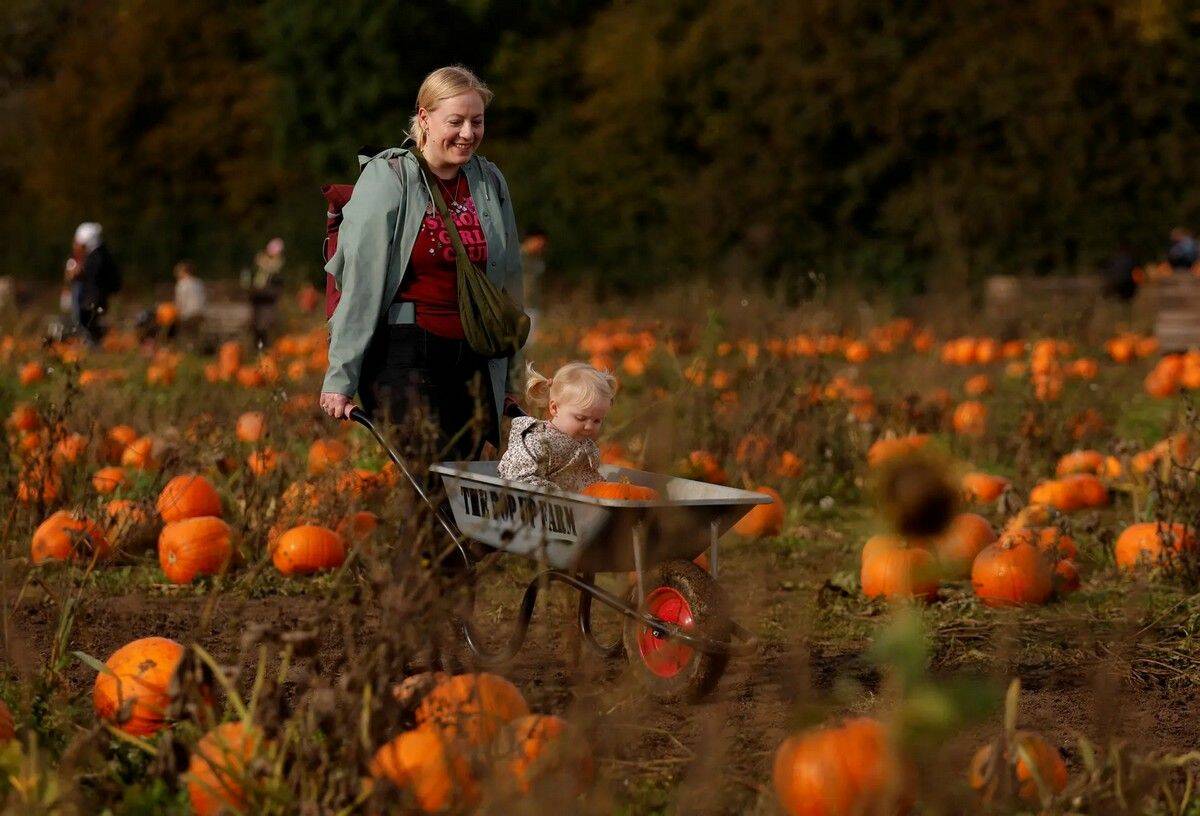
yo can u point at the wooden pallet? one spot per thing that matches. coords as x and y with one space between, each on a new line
1177 312
1004 291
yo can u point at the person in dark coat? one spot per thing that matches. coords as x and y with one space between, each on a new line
94 280
1184 250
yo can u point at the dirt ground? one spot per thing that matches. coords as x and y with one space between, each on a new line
714 756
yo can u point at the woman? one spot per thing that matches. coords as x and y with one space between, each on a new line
395 336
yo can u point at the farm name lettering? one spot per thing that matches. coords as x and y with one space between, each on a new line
490 504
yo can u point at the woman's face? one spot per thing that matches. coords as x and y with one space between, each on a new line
454 129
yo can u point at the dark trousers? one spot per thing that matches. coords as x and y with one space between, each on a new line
437 389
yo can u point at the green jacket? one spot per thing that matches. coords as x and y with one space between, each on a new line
383 215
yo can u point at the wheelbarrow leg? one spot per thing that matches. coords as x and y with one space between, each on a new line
639 560
712 548
585 622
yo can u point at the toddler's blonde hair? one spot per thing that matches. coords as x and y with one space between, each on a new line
575 383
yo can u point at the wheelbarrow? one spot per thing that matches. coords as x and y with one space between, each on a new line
677 633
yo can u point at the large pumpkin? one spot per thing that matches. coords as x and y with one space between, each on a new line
983 773
63 536
763 520
132 694
193 547
472 706
218 767
1012 572
625 491
188 496
1144 543
308 548
892 570
957 548
834 771
429 767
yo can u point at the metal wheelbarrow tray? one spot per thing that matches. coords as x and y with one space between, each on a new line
677 632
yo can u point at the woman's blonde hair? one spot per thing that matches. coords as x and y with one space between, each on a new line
574 384
444 83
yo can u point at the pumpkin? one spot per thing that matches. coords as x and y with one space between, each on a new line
7 728
306 549
1066 577
229 358
1149 542
358 525
1011 572
251 426
264 461
763 520
789 466
753 449
967 536
132 694
63 536
703 466
70 448
1056 544
39 484
542 748
978 385
116 440
140 454
128 521
188 496
24 417
193 547
472 706
1030 748
32 372
107 479
218 767
892 570
833 771
969 418
983 487
429 767
1080 461
166 314
883 449
325 454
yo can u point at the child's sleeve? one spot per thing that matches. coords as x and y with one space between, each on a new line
527 458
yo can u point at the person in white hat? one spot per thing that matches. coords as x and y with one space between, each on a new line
93 279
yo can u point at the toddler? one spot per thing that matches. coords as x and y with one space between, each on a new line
560 451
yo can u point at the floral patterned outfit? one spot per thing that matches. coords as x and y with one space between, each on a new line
542 455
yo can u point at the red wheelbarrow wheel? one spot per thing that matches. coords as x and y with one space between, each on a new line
683 594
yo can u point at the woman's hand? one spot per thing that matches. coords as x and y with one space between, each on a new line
336 405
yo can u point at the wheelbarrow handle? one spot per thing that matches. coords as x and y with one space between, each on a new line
360 416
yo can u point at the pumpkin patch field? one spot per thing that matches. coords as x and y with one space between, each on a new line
975 587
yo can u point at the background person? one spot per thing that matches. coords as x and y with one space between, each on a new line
93 280
396 338
265 284
190 299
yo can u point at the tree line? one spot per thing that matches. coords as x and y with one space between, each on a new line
897 144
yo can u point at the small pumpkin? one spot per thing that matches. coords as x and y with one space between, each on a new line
544 749
308 548
218 768
890 569
430 767
983 487
141 454
473 707
1150 542
763 520
107 479
884 449
325 454
624 491
957 548
357 525
193 547
1012 572
970 418
1080 461
132 694
983 777
251 426
63 536
188 496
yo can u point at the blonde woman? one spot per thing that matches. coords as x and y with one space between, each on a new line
560 451
395 337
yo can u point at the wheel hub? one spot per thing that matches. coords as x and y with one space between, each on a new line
662 656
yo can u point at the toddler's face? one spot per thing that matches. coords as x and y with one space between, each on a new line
579 421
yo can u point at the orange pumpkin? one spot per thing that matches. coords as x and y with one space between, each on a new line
63 536
166 314
892 570
251 426
325 454
789 466
308 548
624 491
194 547
763 520
264 461
128 522
703 466
39 484
833 771
430 767
1044 756
1011 572
70 448
978 385
473 707
32 372
140 454
24 417
957 548
883 449
1056 544
116 440
970 418
218 768
188 496
1066 577
542 748
132 694
1081 461
107 479
358 525
1150 542
983 487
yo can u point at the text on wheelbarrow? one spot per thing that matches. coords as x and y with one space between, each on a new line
531 512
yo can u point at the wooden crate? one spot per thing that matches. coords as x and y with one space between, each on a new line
1177 312
226 319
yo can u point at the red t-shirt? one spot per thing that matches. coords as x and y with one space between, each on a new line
432 281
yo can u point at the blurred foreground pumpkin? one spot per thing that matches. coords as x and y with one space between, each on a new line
473 707
218 766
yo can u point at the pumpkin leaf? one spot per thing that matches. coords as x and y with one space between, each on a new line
92 663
